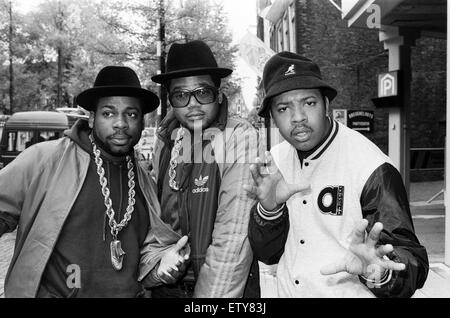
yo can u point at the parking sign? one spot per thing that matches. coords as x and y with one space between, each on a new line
388 84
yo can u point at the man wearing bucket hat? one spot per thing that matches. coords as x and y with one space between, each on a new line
83 206
333 211
200 162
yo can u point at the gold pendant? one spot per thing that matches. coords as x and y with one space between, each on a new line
117 254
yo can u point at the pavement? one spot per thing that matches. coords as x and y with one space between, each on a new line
428 213
6 252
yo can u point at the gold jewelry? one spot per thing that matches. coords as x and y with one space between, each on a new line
117 253
174 159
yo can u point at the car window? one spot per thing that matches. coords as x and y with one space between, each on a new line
22 139
17 140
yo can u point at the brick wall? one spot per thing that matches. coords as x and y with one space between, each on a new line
428 98
351 58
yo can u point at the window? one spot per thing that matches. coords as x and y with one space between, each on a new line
280 37
286 35
20 140
273 40
283 33
292 33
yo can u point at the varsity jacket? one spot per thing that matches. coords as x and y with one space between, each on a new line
211 206
350 179
37 192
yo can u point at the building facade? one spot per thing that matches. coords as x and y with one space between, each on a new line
351 59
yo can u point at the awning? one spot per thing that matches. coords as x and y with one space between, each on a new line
429 17
275 12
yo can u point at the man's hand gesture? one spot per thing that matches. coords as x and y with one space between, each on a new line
364 257
270 188
174 261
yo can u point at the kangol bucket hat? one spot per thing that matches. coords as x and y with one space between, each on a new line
286 71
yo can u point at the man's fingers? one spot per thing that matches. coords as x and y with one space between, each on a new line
167 278
255 171
359 232
173 269
374 234
166 275
181 243
383 250
333 268
394 265
269 158
271 167
186 253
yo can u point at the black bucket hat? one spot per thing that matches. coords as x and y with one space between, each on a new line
190 59
286 71
117 81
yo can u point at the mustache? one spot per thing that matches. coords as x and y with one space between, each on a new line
301 129
195 112
119 135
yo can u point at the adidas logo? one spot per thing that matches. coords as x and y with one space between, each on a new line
200 182
290 70
200 190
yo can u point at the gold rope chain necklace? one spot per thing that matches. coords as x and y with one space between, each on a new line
117 253
174 158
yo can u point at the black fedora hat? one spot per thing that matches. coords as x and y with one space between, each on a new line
190 59
117 81
286 71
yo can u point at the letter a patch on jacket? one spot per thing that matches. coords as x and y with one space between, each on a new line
331 200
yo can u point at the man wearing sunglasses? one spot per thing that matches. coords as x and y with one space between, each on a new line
201 163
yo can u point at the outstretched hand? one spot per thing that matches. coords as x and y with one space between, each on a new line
174 261
364 257
270 188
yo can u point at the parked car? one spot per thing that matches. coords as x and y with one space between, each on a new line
73 114
24 129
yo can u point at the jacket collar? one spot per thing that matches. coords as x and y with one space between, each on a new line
325 143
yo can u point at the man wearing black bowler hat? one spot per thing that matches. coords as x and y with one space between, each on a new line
83 206
201 163
333 211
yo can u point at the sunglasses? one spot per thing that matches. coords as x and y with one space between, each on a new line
204 95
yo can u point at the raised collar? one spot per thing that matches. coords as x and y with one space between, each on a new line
322 146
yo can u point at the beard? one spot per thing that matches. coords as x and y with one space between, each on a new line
107 148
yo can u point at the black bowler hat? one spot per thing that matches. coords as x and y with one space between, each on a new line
190 59
286 71
117 81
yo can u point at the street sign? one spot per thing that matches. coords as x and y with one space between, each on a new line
388 84
360 120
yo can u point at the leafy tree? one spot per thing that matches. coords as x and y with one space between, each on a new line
184 21
85 35
74 28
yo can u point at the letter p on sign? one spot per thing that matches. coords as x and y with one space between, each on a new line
388 84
